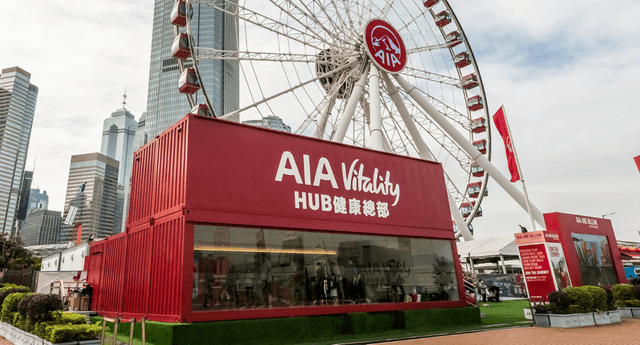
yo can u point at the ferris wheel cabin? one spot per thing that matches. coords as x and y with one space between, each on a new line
474 189
430 3
469 81
453 39
466 208
478 125
188 82
179 13
180 47
476 170
475 103
462 60
443 18
481 145
201 110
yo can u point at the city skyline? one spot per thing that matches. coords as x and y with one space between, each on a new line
564 79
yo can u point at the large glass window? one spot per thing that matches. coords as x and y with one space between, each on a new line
238 268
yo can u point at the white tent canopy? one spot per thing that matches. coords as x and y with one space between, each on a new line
493 250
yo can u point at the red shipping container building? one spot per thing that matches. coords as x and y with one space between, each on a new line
228 221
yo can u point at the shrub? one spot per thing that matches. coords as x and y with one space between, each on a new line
40 328
24 303
636 292
541 309
6 292
10 306
611 305
622 292
67 333
69 318
559 302
41 306
575 309
599 297
582 298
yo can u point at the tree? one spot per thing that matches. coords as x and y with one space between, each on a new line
13 255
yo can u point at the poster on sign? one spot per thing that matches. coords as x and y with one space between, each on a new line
543 263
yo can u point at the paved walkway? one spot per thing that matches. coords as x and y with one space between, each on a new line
626 332
4 341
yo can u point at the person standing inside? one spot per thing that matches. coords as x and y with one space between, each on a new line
483 290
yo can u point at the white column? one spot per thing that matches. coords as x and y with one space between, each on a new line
504 267
351 107
470 149
424 152
377 139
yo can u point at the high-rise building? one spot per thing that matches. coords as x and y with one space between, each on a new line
25 192
271 121
118 133
211 28
92 192
41 227
38 200
17 107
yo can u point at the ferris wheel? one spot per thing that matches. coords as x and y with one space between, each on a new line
398 76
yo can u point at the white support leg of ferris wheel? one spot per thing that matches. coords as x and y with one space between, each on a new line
351 107
322 121
424 152
376 121
470 149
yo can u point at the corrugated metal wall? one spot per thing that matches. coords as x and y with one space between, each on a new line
142 271
158 176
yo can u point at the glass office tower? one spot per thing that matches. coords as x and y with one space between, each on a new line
17 106
211 29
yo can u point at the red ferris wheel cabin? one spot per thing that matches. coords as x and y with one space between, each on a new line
180 47
481 145
443 18
229 221
179 13
453 39
188 82
430 3
475 103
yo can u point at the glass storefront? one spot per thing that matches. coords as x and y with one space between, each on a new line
240 268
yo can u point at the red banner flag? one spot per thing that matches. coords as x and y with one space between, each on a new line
501 125
637 159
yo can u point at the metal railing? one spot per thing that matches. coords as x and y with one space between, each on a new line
117 321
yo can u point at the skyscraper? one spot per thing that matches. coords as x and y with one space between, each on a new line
92 190
41 227
38 200
118 133
17 106
211 29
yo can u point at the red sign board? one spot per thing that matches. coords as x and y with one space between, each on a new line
637 160
300 182
385 46
537 271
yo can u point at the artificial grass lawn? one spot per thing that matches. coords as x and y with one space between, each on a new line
504 312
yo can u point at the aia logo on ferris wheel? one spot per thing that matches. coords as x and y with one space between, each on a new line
384 46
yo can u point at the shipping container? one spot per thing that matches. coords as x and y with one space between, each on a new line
229 221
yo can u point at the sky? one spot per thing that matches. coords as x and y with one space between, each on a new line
566 74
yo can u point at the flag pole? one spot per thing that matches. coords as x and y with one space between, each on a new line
515 154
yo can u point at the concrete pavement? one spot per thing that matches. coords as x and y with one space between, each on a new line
626 332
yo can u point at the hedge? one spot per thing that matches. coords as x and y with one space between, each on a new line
582 300
10 306
622 292
67 333
296 329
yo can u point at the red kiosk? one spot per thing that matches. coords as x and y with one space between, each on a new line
229 221
574 251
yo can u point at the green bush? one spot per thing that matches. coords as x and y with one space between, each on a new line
574 309
599 297
636 292
69 318
10 306
582 298
40 328
67 333
6 292
622 292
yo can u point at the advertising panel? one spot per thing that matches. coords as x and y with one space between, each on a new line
594 258
308 183
537 271
589 243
